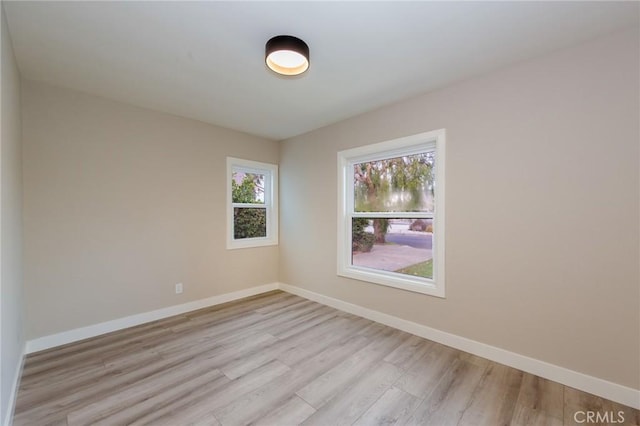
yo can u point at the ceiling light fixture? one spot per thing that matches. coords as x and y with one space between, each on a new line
287 55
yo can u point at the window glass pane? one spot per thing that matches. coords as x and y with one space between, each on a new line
395 245
247 187
249 223
401 184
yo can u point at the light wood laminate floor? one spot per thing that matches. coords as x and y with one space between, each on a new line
278 359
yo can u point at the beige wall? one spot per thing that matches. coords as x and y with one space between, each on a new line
11 304
543 192
542 238
122 203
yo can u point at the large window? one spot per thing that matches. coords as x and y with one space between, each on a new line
391 213
252 201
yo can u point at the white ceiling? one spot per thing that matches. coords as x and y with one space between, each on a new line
205 60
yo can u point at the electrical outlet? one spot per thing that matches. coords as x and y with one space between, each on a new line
178 288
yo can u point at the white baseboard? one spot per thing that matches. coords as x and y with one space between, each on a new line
11 406
603 388
74 335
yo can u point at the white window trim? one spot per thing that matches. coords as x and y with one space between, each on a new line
270 203
378 151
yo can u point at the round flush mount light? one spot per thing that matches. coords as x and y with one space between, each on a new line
287 55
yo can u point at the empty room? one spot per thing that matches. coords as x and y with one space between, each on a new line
320 213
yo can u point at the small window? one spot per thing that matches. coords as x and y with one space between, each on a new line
391 213
252 200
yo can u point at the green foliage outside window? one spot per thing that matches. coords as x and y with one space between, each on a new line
362 240
401 184
248 222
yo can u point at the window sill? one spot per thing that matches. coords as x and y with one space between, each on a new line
251 242
407 283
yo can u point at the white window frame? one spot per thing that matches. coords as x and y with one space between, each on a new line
270 172
434 140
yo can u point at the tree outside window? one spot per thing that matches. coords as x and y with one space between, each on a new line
391 213
252 203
